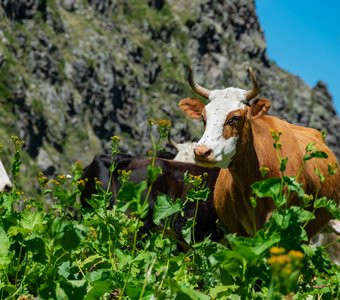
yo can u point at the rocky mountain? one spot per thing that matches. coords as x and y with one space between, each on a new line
75 72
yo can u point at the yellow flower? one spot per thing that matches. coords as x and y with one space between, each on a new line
296 254
163 123
278 260
277 250
264 171
81 183
115 139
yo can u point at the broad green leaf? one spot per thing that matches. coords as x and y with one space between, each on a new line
99 288
64 269
222 290
184 292
302 214
15 230
130 195
294 186
270 187
31 219
90 261
164 207
330 205
36 244
199 195
4 248
68 234
187 230
193 294
315 154
72 289
153 173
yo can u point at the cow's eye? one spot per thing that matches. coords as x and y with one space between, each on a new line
233 120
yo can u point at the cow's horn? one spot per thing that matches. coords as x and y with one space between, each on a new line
196 87
172 143
251 94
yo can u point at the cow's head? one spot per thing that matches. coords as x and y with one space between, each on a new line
5 183
223 117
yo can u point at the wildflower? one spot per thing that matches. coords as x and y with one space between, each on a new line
18 144
42 179
115 145
115 139
264 172
149 153
164 127
98 184
80 184
78 165
278 260
124 176
61 178
53 181
277 250
296 254
307 199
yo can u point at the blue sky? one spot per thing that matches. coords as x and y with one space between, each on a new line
303 37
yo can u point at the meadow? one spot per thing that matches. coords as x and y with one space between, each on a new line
52 248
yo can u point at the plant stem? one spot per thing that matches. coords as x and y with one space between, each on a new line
133 256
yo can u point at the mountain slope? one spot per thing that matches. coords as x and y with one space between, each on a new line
74 73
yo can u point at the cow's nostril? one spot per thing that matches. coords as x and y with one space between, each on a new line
207 153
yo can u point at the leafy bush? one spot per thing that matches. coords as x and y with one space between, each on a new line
53 249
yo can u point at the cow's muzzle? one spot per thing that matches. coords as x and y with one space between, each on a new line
203 154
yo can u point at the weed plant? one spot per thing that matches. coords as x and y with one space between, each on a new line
51 248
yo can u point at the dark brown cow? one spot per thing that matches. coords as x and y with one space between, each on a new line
238 138
170 182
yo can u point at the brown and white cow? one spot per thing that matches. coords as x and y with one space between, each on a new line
238 138
5 183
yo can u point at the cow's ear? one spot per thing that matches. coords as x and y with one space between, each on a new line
192 107
259 107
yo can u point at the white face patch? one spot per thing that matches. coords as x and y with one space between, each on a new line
4 180
185 152
222 102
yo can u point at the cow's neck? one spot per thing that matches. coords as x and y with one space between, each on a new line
245 170
244 166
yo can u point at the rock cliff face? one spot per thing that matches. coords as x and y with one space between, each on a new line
73 73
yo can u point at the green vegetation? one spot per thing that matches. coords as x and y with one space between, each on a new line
46 252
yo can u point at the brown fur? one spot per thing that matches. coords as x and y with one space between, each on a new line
255 150
192 107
